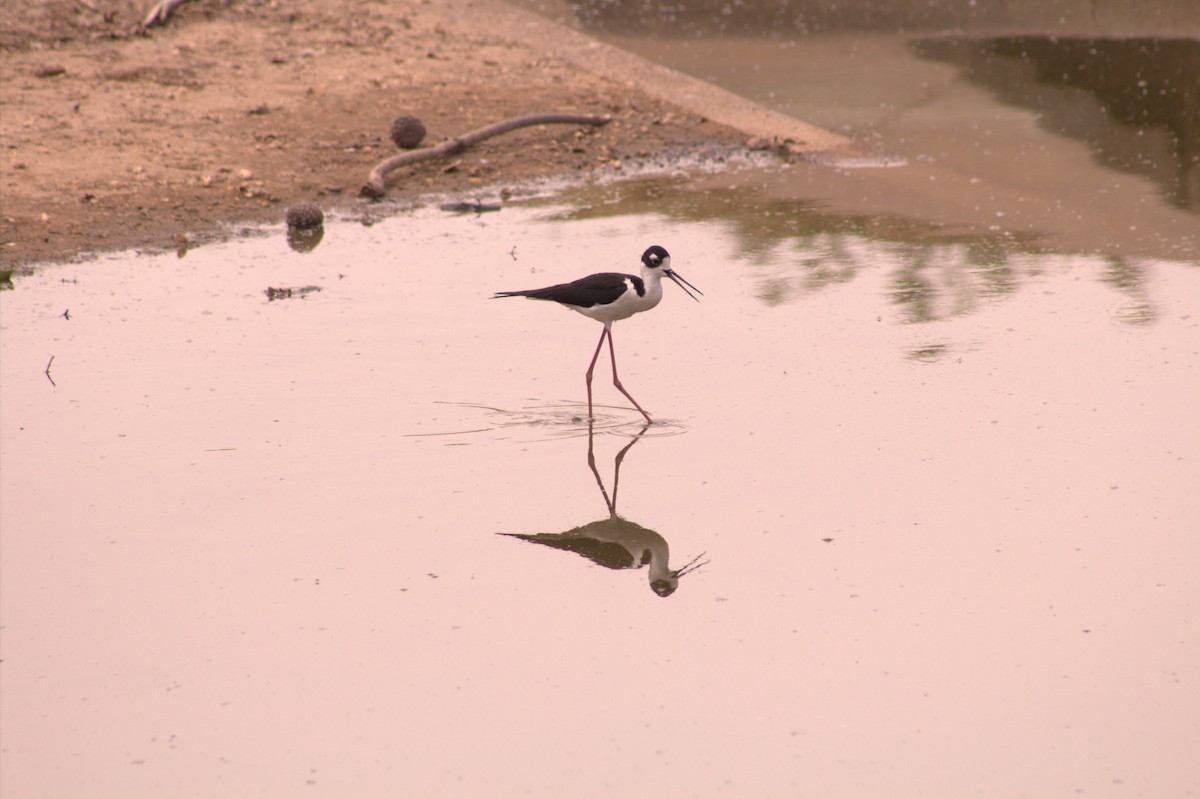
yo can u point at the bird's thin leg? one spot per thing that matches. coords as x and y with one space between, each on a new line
592 366
612 355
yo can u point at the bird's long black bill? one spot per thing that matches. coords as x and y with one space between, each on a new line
679 280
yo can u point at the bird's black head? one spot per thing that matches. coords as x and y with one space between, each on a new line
655 257
664 587
658 258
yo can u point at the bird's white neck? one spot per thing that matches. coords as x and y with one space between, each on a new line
652 278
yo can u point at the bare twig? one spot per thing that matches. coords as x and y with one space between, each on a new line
47 371
375 188
159 13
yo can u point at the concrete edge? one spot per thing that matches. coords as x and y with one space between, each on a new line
662 83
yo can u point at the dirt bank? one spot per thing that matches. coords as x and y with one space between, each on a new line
114 138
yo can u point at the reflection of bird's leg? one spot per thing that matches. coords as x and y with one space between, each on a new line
617 463
612 508
612 355
591 458
592 366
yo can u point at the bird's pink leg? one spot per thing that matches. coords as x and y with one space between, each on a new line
612 355
592 366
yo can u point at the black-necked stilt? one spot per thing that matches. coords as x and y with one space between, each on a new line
610 296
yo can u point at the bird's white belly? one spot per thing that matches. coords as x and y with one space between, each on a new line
626 305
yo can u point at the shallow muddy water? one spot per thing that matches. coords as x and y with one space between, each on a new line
917 515
1061 121
941 490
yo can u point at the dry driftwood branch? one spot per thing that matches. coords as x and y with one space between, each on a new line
159 13
374 187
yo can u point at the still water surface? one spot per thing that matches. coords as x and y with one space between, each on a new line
942 489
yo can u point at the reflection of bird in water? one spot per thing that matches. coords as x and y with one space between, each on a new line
616 543
610 297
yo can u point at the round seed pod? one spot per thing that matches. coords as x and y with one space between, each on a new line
407 132
305 216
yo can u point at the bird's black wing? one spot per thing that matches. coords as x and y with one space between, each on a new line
599 289
608 554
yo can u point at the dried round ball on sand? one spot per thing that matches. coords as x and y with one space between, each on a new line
304 216
407 132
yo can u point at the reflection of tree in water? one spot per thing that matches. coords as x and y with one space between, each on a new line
817 263
994 266
1134 102
793 248
934 282
1129 277
914 292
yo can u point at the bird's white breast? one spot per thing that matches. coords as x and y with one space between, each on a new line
627 304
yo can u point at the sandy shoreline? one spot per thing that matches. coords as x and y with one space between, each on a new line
233 111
